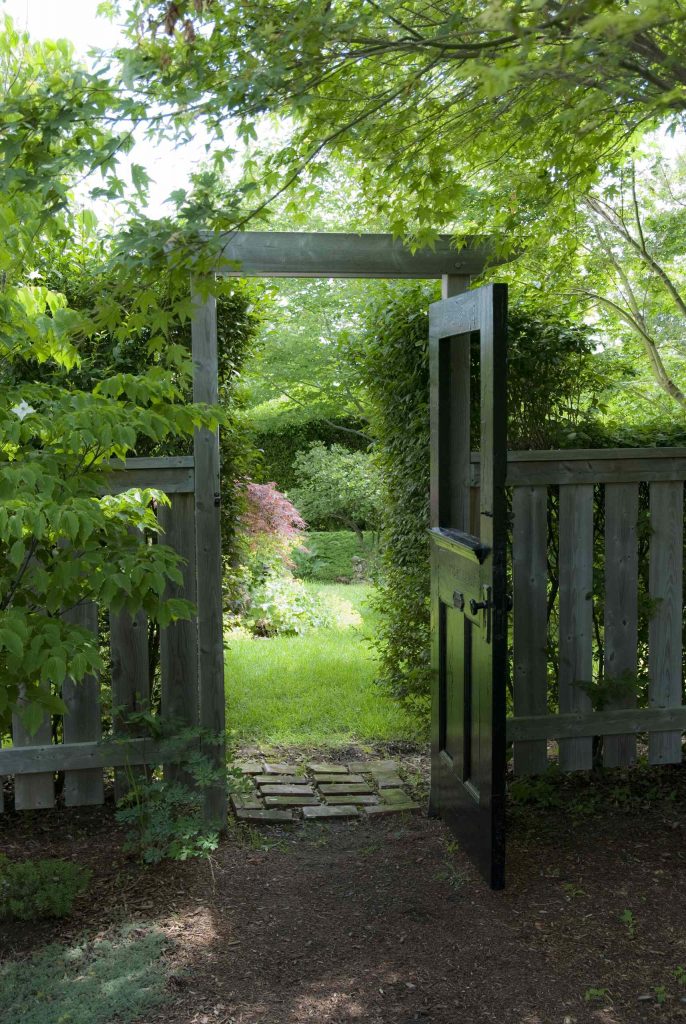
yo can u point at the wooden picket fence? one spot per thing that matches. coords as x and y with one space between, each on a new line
84 753
577 475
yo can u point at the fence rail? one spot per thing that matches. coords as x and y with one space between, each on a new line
34 759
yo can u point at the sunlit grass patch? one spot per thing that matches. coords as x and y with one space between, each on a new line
316 689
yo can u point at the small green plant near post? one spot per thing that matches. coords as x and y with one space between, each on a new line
597 994
164 813
627 918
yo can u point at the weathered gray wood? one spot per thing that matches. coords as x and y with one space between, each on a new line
621 607
331 254
2 787
619 721
26 761
454 284
173 474
130 679
530 579
576 614
179 641
208 549
611 465
34 790
665 629
82 721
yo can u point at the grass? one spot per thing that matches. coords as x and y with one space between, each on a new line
317 689
90 983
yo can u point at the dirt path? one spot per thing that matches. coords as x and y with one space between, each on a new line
385 922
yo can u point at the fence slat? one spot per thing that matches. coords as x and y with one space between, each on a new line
621 608
130 679
179 641
33 790
530 578
82 721
576 614
665 630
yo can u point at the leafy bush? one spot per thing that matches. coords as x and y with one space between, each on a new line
281 604
33 889
282 435
166 813
335 555
336 487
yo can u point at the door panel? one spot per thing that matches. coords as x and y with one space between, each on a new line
469 603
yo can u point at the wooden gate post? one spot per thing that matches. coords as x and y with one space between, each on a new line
211 701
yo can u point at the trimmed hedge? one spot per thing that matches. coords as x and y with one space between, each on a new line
329 555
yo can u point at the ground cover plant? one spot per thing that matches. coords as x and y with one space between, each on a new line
317 689
119 978
335 555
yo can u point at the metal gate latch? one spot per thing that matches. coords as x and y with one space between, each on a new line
486 605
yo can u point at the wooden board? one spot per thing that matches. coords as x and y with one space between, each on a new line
130 679
593 723
590 465
82 721
47 758
530 595
335 254
621 608
208 550
173 474
33 790
576 614
665 629
179 641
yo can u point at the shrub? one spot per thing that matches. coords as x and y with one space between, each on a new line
166 814
337 487
281 604
283 434
33 889
335 555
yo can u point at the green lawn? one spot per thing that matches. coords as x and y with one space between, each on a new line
313 690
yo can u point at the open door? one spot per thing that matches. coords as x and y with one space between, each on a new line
468 561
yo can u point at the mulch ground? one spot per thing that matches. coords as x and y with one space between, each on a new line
386 922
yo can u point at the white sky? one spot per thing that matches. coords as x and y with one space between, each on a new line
77 20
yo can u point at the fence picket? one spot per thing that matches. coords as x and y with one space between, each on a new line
82 721
130 681
530 579
179 641
665 629
33 790
576 614
621 608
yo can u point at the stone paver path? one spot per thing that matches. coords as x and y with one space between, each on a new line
317 790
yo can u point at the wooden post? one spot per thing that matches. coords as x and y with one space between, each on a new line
82 721
211 699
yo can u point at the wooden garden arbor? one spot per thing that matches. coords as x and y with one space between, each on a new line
479 548
192 653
